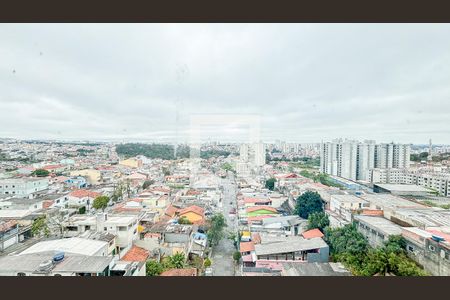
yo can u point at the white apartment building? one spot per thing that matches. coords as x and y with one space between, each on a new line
352 159
124 227
438 182
254 153
22 186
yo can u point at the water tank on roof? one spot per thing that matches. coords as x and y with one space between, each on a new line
46 265
58 257
437 238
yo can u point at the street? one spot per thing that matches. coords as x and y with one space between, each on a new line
223 263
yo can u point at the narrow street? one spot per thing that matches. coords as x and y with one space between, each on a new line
223 264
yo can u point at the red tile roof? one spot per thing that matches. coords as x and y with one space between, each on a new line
84 193
180 272
136 254
247 246
256 200
193 208
171 211
313 233
7 225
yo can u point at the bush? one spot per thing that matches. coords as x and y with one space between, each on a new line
207 262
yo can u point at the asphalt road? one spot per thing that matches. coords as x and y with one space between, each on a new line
222 259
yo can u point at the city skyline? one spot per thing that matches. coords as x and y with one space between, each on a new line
307 82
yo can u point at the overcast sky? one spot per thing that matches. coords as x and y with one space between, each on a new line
303 82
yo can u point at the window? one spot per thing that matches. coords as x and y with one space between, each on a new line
431 248
122 228
105 228
410 248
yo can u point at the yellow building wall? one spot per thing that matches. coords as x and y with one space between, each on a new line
131 162
192 217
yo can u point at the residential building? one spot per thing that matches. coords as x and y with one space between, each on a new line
376 229
22 186
353 160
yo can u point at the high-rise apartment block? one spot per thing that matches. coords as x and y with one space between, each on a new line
353 159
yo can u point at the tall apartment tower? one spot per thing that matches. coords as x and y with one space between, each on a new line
243 153
353 160
259 153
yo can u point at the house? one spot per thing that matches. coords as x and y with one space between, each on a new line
249 201
73 245
313 233
27 204
82 197
292 248
131 163
260 210
124 227
22 186
138 255
93 176
195 214
429 248
9 234
377 230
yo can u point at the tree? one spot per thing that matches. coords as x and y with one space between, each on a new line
40 227
147 183
270 183
176 261
184 220
154 268
237 256
207 263
308 203
40 173
82 210
216 230
318 220
101 202
395 244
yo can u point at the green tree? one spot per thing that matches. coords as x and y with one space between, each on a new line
82 210
154 268
395 244
176 261
308 203
237 256
40 173
101 202
318 220
270 183
207 263
216 229
184 220
147 183
40 227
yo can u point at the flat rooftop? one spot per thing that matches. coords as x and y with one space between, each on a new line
290 245
391 201
71 245
380 223
71 263
402 187
314 269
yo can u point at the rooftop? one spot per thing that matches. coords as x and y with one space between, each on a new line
70 245
380 223
314 269
70 263
290 245
402 187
